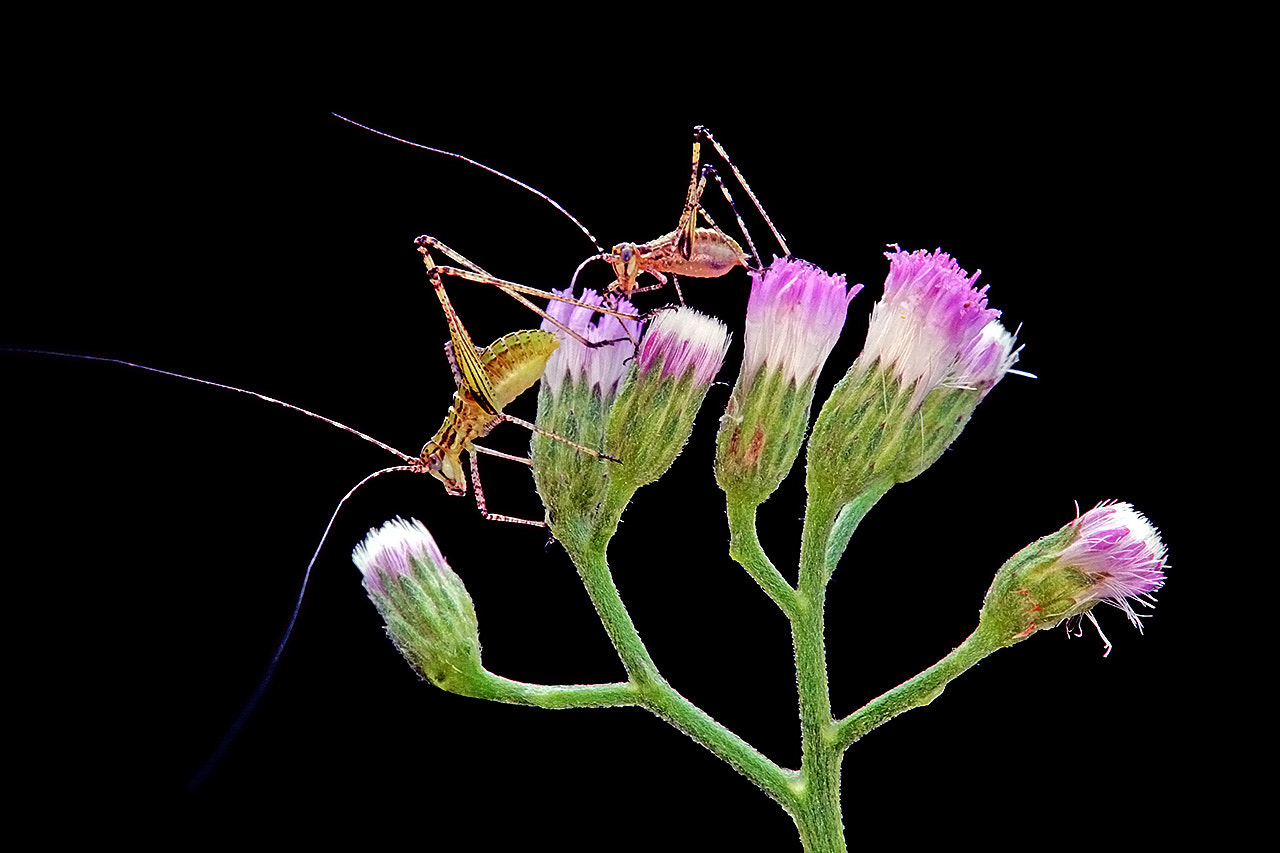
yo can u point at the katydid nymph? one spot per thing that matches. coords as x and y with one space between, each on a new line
489 379
691 249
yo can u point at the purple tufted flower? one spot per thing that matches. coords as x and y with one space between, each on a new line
1121 554
389 551
933 352
794 318
684 339
602 367
1110 554
934 325
651 420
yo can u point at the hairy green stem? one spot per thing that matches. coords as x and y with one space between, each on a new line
654 693
915 692
745 548
851 516
817 813
556 696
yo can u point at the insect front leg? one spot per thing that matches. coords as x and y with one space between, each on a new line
515 290
540 431
479 489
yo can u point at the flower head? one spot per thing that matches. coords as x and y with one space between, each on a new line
1110 554
794 318
426 607
932 323
1121 554
933 351
388 552
682 339
681 353
602 367
985 361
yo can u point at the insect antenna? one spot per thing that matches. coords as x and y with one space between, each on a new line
548 199
403 456
413 463
246 711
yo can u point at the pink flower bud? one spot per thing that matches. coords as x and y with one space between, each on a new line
685 339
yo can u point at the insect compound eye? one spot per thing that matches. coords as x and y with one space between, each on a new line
434 463
626 254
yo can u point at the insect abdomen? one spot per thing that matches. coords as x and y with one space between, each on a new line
516 361
714 254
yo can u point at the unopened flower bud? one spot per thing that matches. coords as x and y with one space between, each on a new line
933 351
794 318
1110 554
682 352
426 608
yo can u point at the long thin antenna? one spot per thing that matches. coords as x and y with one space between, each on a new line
548 199
414 464
246 711
403 456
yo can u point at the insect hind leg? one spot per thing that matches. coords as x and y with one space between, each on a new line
742 226
700 133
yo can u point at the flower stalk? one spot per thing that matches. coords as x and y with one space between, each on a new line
933 351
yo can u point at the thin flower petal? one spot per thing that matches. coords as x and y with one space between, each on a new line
1122 554
985 361
794 318
685 338
602 367
389 549
928 319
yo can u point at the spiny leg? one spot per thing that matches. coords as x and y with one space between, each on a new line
514 290
540 431
699 132
514 294
675 281
474 273
478 490
687 227
465 358
523 460
688 214
742 226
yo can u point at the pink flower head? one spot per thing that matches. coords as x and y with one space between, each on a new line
1121 553
794 318
602 367
685 339
930 323
391 549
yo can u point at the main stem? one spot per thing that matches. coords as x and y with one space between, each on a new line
817 812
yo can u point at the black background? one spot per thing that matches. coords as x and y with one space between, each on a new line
159 528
